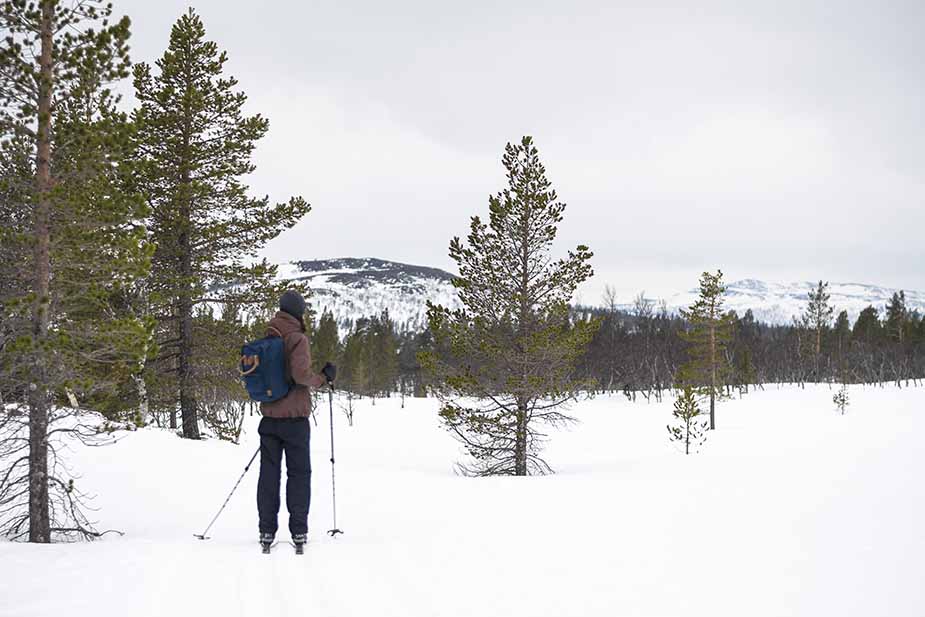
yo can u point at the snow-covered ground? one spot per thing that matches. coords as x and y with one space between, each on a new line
790 509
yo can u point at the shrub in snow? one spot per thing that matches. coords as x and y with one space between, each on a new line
841 399
688 429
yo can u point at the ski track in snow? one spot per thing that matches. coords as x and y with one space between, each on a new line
790 509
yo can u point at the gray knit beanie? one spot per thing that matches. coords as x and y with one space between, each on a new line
293 303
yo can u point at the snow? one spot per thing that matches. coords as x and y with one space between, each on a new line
790 509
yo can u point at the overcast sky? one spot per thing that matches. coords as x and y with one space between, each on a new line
775 140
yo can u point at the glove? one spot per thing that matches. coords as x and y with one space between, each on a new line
330 372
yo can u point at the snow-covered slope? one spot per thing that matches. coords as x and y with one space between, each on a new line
778 303
353 288
790 509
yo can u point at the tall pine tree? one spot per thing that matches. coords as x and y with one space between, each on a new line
66 162
817 318
512 347
196 146
709 332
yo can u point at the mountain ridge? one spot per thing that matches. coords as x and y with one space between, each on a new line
353 288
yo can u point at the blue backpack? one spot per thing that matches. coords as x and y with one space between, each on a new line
263 369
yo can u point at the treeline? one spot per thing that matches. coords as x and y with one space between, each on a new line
374 359
642 350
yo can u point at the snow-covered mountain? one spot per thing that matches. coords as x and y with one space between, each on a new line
353 288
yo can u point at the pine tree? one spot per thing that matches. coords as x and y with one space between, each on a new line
353 375
709 332
867 328
382 353
222 400
196 145
512 347
66 161
688 430
842 331
353 369
897 318
746 368
409 368
326 342
817 318
841 399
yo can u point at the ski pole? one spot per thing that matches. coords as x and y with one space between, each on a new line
203 536
333 532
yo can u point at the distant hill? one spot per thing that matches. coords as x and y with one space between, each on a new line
353 288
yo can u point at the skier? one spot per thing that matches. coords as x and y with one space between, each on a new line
285 428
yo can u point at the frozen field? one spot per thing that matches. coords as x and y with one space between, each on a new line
789 510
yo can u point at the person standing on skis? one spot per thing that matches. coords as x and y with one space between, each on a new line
285 428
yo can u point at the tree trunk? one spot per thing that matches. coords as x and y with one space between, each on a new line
187 396
818 352
143 403
520 434
712 409
188 411
39 399
520 442
185 316
712 376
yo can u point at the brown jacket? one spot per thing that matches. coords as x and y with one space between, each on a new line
298 402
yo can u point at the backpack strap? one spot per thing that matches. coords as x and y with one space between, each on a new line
275 331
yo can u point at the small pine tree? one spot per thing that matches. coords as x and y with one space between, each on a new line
688 429
841 399
709 332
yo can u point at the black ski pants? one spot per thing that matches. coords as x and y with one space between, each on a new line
289 435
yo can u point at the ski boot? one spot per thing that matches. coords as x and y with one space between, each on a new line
298 541
266 542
